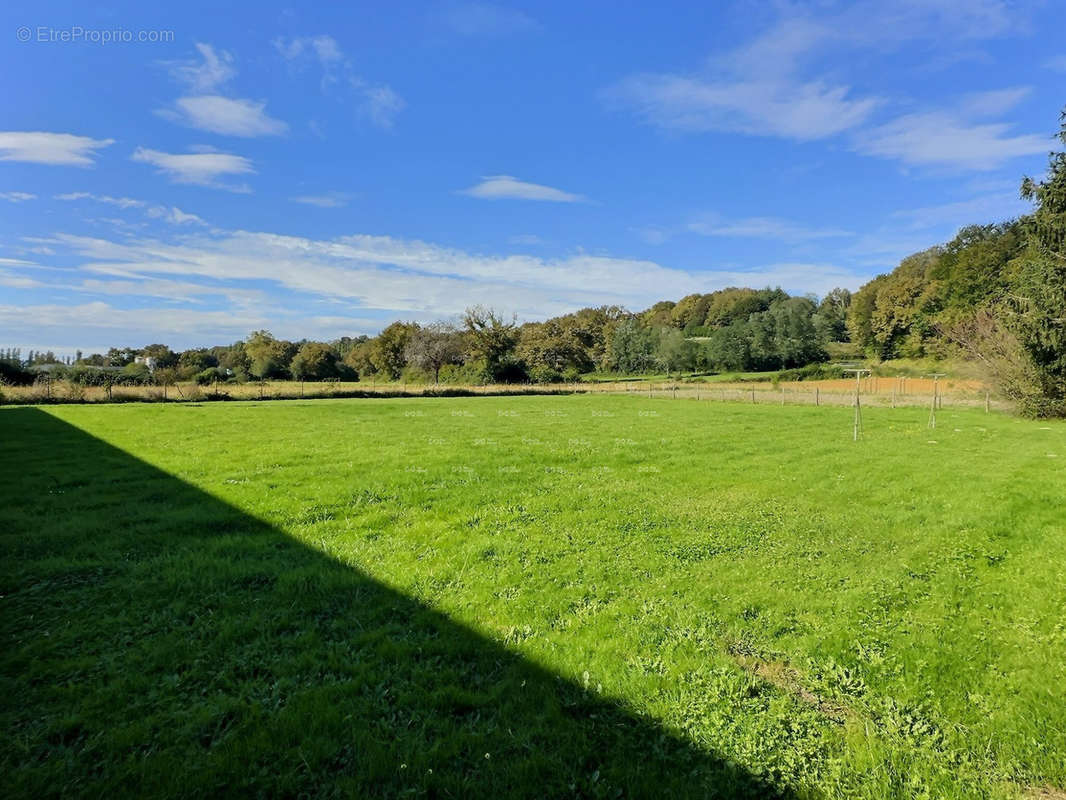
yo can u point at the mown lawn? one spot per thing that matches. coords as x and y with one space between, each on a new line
537 596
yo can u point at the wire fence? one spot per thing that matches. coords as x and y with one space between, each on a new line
875 391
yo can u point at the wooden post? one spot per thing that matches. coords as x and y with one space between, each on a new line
782 395
936 376
986 401
753 395
893 395
857 424
817 398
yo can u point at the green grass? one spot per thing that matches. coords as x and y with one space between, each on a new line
533 596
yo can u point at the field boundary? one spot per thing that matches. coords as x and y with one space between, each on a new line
881 393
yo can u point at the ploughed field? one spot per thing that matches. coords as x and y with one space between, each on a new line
590 595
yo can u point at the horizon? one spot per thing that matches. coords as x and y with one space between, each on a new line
323 173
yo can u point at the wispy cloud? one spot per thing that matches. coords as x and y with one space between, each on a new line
224 115
379 103
486 19
121 202
411 277
763 228
717 225
779 83
810 110
174 215
505 187
525 239
944 138
17 197
328 200
1056 63
983 208
38 147
203 169
207 109
993 103
206 74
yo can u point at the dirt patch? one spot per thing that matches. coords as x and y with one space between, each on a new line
1045 793
784 677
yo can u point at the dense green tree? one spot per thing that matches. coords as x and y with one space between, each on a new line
631 347
358 358
314 361
490 343
269 357
388 349
831 318
729 348
1037 302
673 352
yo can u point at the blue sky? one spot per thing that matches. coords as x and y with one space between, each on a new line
322 169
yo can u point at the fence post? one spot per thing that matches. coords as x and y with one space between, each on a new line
782 395
986 401
753 395
817 398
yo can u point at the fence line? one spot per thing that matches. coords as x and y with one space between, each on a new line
884 392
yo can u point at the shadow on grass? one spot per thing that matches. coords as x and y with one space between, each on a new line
157 641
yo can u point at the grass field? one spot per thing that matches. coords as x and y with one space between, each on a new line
591 595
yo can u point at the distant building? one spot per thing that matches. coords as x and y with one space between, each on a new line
148 361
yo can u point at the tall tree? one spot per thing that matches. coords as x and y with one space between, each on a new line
432 346
387 350
1037 303
490 343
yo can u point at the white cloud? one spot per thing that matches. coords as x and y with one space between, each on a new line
14 281
781 83
174 215
948 139
975 210
993 103
328 200
1056 63
121 202
224 115
207 109
498 187
17 197
37 147
414 278
323 47
202 169
487 19
810 110
206 75
762 228
379 103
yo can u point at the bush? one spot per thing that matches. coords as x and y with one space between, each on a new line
75 392
1005 364
544 374
15 375
811 372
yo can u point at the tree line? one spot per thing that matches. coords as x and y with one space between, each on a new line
729 329
995 294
